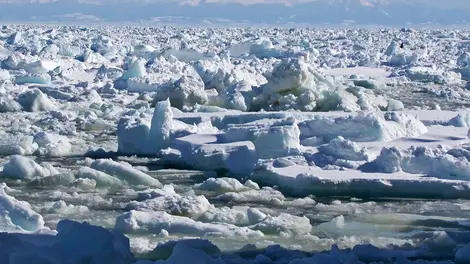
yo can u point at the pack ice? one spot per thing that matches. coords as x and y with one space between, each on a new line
141 145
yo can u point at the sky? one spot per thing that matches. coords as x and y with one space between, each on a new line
437 3
377 12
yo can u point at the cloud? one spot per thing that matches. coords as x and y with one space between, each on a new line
447 3
79 16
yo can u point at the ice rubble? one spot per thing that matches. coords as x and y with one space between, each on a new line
62 94
239 146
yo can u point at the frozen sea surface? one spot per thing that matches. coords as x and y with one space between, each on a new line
234 145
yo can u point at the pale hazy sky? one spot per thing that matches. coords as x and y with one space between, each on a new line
194 2
386 12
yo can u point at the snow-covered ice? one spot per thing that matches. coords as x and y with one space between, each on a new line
323 146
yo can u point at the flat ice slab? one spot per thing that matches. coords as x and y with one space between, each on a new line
302 181
364 71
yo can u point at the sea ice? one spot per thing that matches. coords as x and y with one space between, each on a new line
124 172
364 127
52 145
102 179
17 216
35 101
300 112
154 222
284 223
24 168
221 185
173 204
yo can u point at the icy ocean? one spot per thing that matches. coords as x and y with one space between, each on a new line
141 145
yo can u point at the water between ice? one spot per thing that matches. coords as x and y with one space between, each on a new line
345 221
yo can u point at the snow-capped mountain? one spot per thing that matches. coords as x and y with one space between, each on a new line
363 12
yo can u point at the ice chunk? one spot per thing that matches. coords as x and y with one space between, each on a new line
392 48
35 101
16 145
402 59
76 242
167 190
388 161
204 152
154 222
181 253
251 184
165 250
161 125
63 179
174 204
271 140
84 184
124 172
284 223
344 149
8 104
52 145
41 67
462 256
238 97
4 75
60 207
73 243
221 185
294 84
265 195
185 92
143 48
334 226
17 215
138 136
15 38
234 216
430 75
102 179
395 105
24 168
133 135
364 127
461 120
420 160
368 84
136 70
30 78
255 216
439 243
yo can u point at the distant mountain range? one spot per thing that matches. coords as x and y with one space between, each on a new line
195 12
